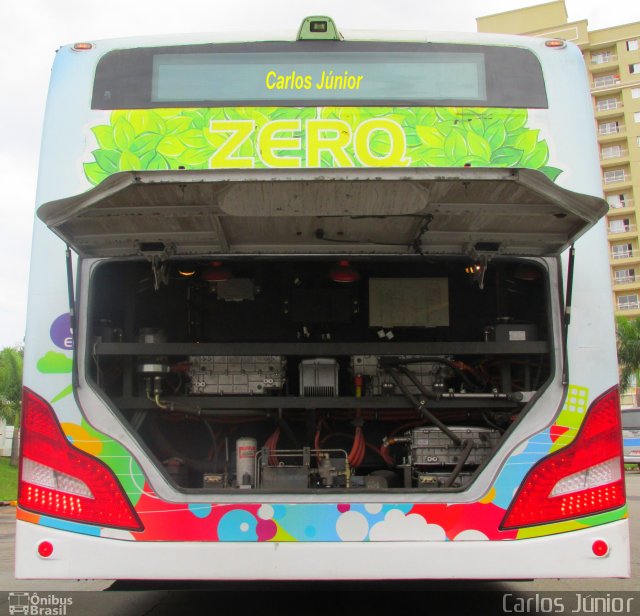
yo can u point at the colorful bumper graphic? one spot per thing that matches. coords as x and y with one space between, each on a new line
331 522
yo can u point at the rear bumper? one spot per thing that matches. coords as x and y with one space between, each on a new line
566 555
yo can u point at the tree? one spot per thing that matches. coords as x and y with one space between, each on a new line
11 392
628 338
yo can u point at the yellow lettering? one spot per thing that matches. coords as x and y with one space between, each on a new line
269 80
331 136
363 138
269 142
240 131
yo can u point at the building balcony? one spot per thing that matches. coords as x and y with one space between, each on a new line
601 83
626 257
602 112
603 62
617 181
620 206
614 157
606 134
625 307
621 231
626 283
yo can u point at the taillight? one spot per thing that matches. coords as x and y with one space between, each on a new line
584 478
59 480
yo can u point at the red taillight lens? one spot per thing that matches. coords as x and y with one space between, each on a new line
59 480
584 478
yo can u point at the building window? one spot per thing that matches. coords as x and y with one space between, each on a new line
618 201
600 81
619 225
624 276
621 251
614 175
635 93
634 69
601 57
628 302
632 45
606 104
609 128
638 141
636 117
612 151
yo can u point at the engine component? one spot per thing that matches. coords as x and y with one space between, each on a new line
380 383
291 469
214 481
318 377
431 448
236 290
249 374
437 480
245 461
152 365
511 332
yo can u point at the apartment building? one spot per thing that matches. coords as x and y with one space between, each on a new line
612 58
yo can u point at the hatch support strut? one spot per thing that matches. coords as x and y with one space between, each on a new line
567 313
72 301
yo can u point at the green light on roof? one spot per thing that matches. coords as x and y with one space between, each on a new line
318 28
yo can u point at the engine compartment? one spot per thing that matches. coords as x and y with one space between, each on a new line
293 374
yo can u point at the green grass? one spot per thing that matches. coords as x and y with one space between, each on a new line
8 481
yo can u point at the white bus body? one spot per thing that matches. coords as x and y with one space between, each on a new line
318 328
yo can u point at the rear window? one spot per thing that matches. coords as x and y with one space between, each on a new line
319 73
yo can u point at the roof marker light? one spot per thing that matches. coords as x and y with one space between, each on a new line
82 46
556 43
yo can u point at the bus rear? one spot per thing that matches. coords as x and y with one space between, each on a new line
320 307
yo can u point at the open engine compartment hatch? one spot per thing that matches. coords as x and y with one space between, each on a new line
365 211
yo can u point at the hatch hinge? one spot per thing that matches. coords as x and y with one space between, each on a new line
157 253
481 253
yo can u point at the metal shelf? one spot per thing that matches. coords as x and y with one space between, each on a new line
321 348
239 402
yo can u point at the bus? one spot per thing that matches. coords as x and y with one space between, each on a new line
320 305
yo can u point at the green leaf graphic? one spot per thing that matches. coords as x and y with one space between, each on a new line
123 134
538 157
551 172
455 145
158 163
145 143
478 146
516 120
527 141
495 135
129 162
104 137
171 147
108 160
178 125
506 157
431 136
95 174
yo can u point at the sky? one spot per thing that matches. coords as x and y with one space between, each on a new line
32 30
